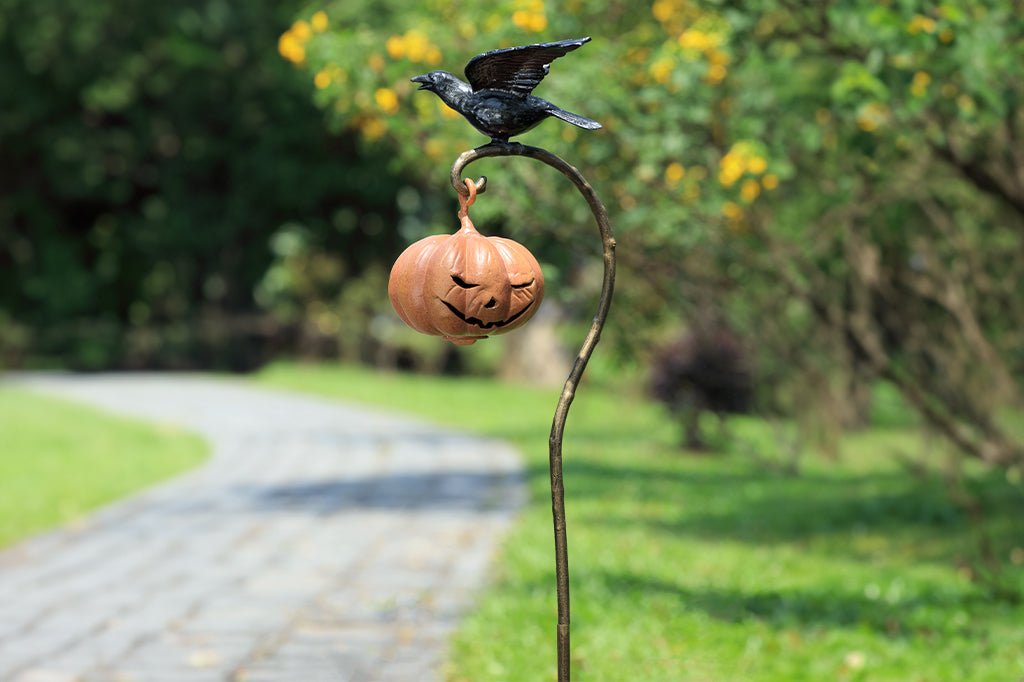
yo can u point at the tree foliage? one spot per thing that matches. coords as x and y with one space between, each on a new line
150 153
844 179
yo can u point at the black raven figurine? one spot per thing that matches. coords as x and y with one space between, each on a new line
497 99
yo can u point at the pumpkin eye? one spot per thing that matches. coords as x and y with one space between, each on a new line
462 283
523 285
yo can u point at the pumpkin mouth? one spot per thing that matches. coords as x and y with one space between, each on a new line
480 323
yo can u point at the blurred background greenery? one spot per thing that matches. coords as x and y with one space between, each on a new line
820 215
208 184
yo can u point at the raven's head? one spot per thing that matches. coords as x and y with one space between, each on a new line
450 89
431 81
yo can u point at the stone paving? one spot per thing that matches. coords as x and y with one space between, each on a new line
319 543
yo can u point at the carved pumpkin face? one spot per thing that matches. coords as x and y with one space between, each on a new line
465 286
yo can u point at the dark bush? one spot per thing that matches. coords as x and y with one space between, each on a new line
707 370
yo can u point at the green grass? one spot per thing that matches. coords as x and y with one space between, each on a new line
720 567
58 460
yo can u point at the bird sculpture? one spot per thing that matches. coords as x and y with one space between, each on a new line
497 99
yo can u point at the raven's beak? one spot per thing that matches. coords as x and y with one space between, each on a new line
421 79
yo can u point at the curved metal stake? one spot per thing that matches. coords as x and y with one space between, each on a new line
569 391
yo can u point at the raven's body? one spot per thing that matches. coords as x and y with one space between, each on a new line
497 99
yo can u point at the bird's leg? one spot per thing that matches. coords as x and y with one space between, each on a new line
498 142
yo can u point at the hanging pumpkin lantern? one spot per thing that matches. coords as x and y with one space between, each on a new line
466 286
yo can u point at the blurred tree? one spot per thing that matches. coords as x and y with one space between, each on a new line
150 151
845 179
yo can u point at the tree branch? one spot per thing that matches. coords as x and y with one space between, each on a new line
980 177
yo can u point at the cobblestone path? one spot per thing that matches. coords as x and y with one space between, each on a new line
319 543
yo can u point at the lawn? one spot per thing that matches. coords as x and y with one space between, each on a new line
722 567
59 459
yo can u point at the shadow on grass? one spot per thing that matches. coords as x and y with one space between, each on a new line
745 504
889 611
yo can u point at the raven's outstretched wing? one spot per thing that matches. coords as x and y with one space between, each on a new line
516 69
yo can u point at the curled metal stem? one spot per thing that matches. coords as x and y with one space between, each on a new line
569 391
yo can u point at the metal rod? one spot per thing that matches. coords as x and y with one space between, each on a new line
569 390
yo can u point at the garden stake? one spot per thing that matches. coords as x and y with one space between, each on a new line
569 391
498 103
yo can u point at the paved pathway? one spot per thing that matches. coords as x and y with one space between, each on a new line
320 543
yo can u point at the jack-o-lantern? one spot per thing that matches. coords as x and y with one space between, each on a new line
465 286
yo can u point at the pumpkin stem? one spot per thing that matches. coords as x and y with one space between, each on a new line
465 201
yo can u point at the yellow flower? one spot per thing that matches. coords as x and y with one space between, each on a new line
770 181
742 157
291 48
387 100
662 10
946 35
301 30
376 62
530 21
735 217
661 70
674 173
416 45
920 85
704 41
319 21
695 40
716 74
749 190
730 168
373 128
732 210
395 45
920 23
716 56
322 79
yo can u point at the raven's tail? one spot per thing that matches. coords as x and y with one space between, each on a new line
575 119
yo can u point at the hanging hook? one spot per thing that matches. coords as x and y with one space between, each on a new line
458 183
